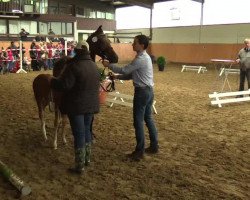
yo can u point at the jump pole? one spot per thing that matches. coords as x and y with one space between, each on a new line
21 70
8 174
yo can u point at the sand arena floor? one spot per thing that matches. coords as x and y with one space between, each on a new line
204 150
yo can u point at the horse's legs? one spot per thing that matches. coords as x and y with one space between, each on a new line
56 126
64 121
42 119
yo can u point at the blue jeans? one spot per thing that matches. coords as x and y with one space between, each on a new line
80 126
10 65
142 111
49 63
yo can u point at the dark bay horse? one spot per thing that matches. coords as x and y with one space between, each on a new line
99 45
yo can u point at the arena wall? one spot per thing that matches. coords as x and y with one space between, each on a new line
195 44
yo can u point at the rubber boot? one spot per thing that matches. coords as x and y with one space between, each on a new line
87 153
79 161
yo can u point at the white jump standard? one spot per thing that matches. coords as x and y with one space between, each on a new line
199 69
229 71
229 97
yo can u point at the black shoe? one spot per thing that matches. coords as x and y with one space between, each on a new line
76 170
152 150
136 155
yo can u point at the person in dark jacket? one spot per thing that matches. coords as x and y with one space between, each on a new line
23 34
33 56
79 82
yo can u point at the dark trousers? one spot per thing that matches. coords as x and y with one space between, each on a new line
80 126
142 111
243 75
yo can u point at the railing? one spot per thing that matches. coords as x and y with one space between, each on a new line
17 7
9 6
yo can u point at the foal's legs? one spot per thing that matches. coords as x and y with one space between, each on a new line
59 120
56 126
42 119
64 122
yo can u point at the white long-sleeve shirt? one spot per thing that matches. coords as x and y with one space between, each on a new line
140 70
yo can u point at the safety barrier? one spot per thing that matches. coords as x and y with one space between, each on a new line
229 97
194 68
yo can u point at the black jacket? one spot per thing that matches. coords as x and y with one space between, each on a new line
79 82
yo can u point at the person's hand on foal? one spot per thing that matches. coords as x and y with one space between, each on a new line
105 63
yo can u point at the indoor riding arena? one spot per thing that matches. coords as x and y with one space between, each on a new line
201 116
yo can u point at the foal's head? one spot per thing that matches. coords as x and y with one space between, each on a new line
99 45
59 65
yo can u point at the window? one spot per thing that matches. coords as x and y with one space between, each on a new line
44 6
3 27
139 19
80 11
15 26
185 13
63 28
59 28
226 12
43 27
89 13
38 6
100 14
110 16
65 8
53 7
56 27
69 29
176 13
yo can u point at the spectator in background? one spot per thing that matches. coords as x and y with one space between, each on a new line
3 61
51 33
33 56
14 49
10 60
23 34
39 38
49 52
244 61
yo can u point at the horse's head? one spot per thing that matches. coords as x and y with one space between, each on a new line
100 45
